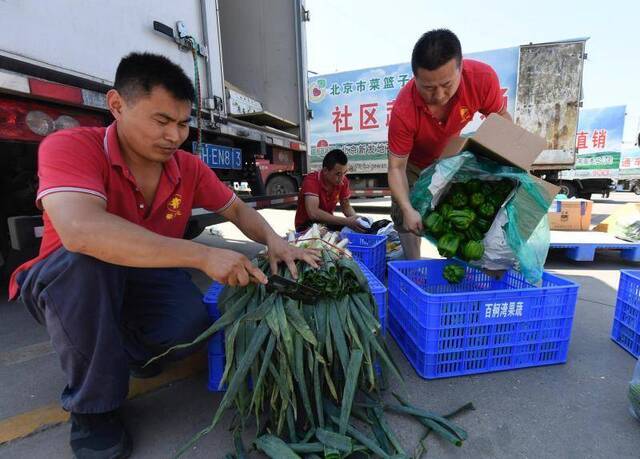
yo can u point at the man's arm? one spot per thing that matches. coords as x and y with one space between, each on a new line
84 226
347 210
400 191
316 214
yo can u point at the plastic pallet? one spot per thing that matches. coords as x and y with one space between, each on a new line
587 252
626 320
371 250
480 325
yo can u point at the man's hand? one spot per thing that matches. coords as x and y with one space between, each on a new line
232 268
412 221
352 222
279 250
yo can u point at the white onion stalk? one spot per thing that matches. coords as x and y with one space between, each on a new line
342 244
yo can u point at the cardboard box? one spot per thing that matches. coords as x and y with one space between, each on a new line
500 140
570 214
625 214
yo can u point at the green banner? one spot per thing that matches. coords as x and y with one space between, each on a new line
603 160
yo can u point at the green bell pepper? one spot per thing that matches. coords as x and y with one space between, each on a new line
433 223
473 233
462 219
487 210
454 274
482 224
445 209
473 186
458 199
472 250
448 245
476 200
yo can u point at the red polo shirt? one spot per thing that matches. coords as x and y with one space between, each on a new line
88 160
313 185
414 132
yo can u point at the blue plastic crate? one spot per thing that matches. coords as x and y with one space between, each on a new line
216 370
379 292
216 342
626 320
211 299
371 250
480 325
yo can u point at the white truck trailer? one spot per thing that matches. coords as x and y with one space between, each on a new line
247 57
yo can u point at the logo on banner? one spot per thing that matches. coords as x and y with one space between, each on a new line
317 91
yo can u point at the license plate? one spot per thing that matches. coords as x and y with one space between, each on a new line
220 157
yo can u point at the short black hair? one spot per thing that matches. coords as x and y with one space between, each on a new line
139 73
434 49
335 156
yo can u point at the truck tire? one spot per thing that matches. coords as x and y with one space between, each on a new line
281 184
568 189
584 195
193 230
636 188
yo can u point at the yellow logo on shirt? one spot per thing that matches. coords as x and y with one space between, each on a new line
465 114
174 207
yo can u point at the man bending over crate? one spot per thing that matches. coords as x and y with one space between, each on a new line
320 193
108 282
444 95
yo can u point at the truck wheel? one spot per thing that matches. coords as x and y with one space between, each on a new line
584 195
281 184
636 188
568 189
193 230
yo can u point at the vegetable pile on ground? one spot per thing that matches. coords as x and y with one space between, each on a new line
634 392
634 398
459 223
310 377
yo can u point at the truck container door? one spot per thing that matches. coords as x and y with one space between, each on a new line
548 99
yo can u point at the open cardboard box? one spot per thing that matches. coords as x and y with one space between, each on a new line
500 140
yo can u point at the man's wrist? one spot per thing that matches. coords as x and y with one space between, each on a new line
202 257
271 238
406 207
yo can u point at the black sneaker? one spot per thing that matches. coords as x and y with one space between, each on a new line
99 436
140 371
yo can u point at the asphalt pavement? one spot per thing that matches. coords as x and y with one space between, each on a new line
574 410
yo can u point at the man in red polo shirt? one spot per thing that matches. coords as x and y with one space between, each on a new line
433 107
320 192
107 282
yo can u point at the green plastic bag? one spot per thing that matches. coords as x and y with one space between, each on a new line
519 234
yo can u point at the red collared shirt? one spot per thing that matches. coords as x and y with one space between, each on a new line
415 132
313 185
88 160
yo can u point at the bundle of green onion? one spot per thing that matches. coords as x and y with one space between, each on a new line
306 372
